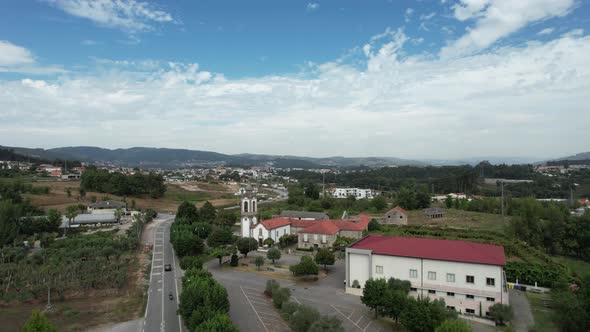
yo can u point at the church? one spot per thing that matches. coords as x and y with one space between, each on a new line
313 233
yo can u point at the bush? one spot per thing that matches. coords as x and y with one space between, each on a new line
374 225
271 286
287 240
356 284
501 313
306 267
327 324
268 242
247 244
38 322
220 322
234 260
454 325
302 319
324 257
280 296
259 261
190 262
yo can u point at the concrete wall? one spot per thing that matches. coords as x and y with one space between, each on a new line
394 218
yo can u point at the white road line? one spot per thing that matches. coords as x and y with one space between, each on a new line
162 329
351 313
159 259
156 273
362 316
256 312
346 317
366 327
296 300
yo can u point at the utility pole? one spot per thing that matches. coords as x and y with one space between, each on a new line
502 203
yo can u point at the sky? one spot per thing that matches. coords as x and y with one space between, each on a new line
410 79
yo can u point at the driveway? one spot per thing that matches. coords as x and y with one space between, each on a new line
523 315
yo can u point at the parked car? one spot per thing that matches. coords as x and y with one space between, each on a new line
167 267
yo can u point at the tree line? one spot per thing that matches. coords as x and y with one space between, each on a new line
117 183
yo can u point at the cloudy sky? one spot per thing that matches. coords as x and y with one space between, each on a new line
410 79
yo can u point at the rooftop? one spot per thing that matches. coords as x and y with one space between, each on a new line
437 249
305 214
108 205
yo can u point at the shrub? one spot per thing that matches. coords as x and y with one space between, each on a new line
234 260
271 286
219 322
501 313
268 242
280 296
247 244
259 261
287 240
356 284
191 262
302 319
454 325
374 225
306 267
325 257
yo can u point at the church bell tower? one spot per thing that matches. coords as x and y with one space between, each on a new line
248 208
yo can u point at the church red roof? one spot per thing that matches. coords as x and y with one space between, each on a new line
437 249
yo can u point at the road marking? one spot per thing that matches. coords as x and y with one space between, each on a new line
338 311
362 316
366 327
296 300
157 273
256 312
163 277
159 259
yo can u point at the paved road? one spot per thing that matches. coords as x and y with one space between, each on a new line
160 313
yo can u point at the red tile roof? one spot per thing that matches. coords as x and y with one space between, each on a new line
276 222
304 223
438 249
324 227
399 209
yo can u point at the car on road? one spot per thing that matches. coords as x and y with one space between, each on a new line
167 267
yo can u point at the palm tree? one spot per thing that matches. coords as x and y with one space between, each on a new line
118 214
71 214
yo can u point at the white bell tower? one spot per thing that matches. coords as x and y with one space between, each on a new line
248 208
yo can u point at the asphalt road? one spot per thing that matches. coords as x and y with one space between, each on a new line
160 313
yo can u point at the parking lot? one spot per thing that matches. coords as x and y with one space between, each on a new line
264 310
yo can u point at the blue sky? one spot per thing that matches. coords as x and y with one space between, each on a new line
319 78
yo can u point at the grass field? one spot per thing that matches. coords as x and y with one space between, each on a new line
544 321
578 266
460 219
196 192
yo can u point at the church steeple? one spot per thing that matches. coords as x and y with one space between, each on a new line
248 209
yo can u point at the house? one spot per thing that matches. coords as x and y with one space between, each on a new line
469 276
304 215
271 228
354 192
395 216
106 207
434 213
323 234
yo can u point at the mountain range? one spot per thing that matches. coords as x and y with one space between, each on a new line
171 158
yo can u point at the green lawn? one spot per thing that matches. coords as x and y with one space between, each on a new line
576 265
544 320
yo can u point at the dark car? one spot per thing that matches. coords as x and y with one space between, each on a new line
167 267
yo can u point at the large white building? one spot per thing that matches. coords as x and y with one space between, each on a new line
468 276
355 192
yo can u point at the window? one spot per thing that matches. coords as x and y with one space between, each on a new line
304 237
431 291
245 206
379 269
451 294
470 311
490 282
487 313
412 289
315 237
276 234
469 296
470 279
324 239
260 232
490 299
450 307
284 231
431 275
450 277
413 273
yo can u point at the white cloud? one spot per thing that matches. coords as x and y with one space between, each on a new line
312 6
495 19
89 42
408 14
546 31
128 15
426 17
503 102
11 55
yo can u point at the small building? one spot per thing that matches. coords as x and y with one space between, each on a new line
89 220
469 276
304 215
395 216
106 207
434 213
358 193
271 228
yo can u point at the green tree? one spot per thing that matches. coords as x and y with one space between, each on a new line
247 244
325 257
303 318
220 236
424 315
71 214
187 211
373 225
38 322
220 322
280 296
501 313
191 262
227 218
69 191
133 204
259 261
54 218
454 325
82 192
311 190
406 198
327 324
305 267
207 212
379 203
449 202
118 214
219 252
376 296
202 229
273 254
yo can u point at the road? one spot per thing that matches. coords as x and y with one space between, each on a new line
160 313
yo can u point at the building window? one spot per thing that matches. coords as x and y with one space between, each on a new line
379 269
245 206
470 311
412 289
490 282
315 237
431 291
284 231
277 234
431 275
304 237
324 239
450 307
450 277
470 279
260 232
413 273
490 299
487 313
451 294
469 296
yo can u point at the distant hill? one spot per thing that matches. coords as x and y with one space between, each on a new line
579 156
166 158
